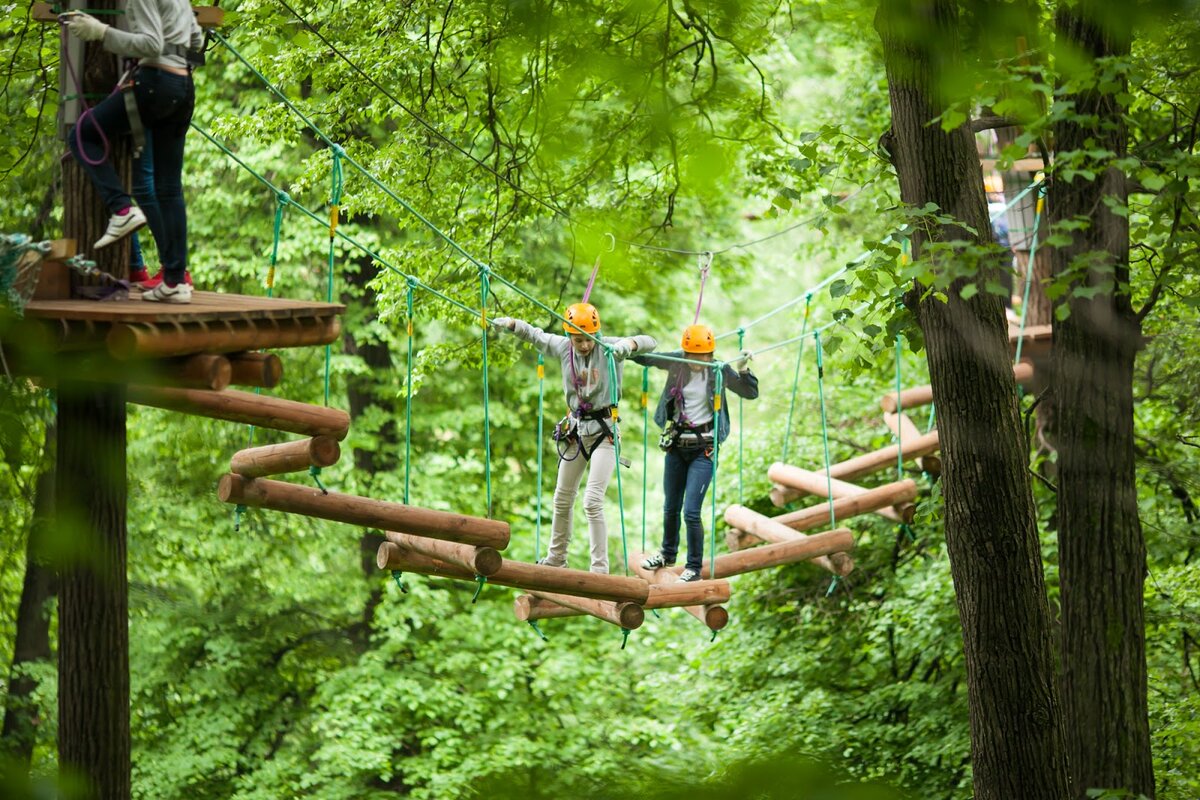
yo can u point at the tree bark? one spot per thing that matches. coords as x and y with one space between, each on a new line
32 640
991 528
93 618
1102 551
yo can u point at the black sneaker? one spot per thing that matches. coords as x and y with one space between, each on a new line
689 575
657 561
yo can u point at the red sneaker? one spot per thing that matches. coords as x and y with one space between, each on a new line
158 278
138 275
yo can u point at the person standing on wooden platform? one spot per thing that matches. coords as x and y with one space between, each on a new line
690 419
586 435
159 97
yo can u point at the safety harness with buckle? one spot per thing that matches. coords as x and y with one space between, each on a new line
566 430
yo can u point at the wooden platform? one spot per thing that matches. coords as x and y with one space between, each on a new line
213 322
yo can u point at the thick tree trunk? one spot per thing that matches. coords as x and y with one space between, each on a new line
1101 548
32 640
991 530
93 621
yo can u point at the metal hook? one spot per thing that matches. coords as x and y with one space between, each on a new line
612 242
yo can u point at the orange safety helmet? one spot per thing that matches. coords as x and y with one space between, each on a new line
699 339
582 318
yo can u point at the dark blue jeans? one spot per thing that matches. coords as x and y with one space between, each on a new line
164 102
686 476
143 190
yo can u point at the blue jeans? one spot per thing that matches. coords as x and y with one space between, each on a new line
143 190
686 476
164 102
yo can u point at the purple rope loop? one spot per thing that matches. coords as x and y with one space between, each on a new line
591 281
87 110
705 259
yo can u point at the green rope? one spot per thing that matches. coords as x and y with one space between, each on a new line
533 624
787 431
281 202
713 638
932 412
907 530
1029 269
615 390
238 510
824 427
624 637
484 290
719 386
645 445
833 584
315 472
741 424
480 580
409 391
335 200
537 531
899 418
398 576
314 217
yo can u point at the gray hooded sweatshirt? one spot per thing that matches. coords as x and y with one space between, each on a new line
151 25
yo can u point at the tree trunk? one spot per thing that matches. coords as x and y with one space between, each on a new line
93 619
991 529
32 640
1101 548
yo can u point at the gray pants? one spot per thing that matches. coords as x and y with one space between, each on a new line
570 474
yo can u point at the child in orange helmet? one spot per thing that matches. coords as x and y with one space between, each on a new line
585 436
686 413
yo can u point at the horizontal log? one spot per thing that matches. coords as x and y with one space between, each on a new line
200 371
800 548
264 370
623 614
714 616
485 561
675 595
767 529
528 608
905 430
802 481
899 493
280 459
248 408
363 512
923 395
528 577
883 458
153 339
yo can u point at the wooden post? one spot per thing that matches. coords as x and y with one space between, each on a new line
801 548
803 481
485 561
714 616
624 614
680 594
522 576
767 529
256 369
362 511
248 408
279 459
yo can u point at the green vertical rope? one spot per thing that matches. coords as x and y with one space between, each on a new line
787 431
741 332
484 290
615 390
398 576
712 533
541 373
899 417
824 427
932 412
645 445
533 624
408 299
1030 267
335 200
480 580
624 637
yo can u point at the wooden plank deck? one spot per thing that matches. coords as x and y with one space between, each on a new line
205 307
